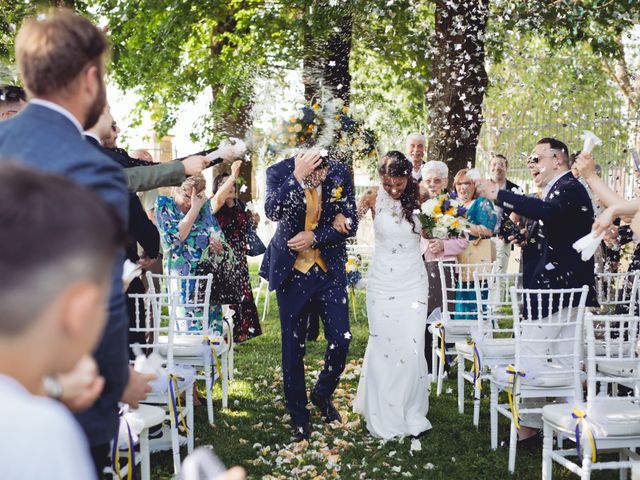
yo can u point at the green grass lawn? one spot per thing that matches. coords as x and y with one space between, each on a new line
254 431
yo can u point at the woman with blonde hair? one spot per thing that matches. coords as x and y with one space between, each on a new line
188 228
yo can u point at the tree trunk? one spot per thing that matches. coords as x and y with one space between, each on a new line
459 82
326 62
236 121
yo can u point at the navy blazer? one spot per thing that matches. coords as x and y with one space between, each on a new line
549 259
286 204
46 140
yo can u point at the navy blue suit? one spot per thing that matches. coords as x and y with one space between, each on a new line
46 140
549 260
296 292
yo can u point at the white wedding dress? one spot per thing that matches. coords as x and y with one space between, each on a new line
393 393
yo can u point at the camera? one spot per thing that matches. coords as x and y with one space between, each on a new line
511 229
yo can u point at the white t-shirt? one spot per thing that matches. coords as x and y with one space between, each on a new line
39 438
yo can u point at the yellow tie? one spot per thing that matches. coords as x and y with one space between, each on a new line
309 257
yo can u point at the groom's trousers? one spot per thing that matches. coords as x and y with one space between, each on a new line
295 297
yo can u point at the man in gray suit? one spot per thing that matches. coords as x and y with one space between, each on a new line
143 178
60 57
139 179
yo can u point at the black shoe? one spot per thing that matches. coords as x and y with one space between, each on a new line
327 410
532 442
301 431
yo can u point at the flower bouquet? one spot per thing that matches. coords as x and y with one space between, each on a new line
443 217
327 127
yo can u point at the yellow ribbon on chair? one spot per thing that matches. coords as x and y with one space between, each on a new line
440 327
512 393
477 365
175 407
580 416
216 360
353 303
131 454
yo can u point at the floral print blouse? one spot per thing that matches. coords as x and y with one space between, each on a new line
182 257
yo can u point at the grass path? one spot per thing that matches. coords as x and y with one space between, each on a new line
254 431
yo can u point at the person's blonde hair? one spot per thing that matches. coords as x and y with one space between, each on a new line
464 172
196 182
52 49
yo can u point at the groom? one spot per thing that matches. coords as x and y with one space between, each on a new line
305 265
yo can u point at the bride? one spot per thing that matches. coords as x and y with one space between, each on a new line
393 393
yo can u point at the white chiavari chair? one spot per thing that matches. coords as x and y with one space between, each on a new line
548 335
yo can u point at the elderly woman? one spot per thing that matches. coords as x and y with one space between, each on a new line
188 227
481 212
435 177
482 218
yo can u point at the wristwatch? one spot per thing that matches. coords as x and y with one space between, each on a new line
52 387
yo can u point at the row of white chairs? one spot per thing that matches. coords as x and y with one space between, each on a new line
204 352
495 349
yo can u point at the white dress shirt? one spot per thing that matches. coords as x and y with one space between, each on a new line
93 135
40 438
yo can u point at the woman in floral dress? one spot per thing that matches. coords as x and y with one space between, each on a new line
235 221
187 227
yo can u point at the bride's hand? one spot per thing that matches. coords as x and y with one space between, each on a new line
342 224
436 246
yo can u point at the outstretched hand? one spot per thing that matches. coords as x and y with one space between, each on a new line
586 165
194 165
604 221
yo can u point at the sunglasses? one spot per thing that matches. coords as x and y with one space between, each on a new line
535 158
12 93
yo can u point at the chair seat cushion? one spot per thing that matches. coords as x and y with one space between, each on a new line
549 375
491 348
191 345
618 368
610 417
455 328
149 415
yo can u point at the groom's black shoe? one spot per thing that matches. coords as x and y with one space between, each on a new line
301 431
327 410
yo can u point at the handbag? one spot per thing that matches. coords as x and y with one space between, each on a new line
255 246
481 250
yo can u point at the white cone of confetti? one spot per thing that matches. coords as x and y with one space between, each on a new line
590 141
587 245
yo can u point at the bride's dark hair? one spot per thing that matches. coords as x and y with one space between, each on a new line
395 164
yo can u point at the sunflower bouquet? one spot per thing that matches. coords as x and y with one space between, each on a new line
443 217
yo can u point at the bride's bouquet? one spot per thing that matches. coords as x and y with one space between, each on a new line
443 217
